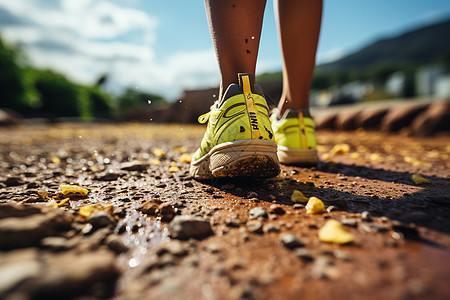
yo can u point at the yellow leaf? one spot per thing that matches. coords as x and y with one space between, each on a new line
73 190
56 160
156 162
159 152
334 232
186 158
340 149
315 206
418 179
298 197
87 210
59 203
43 194
325 156
173 169
180 150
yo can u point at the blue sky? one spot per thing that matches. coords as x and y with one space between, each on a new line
165 46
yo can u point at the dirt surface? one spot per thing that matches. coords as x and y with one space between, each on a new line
156 233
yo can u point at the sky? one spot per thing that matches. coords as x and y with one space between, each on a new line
164 47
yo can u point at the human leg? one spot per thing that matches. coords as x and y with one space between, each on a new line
298 27
294 129
235 28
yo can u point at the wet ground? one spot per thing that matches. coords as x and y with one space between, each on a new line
247 238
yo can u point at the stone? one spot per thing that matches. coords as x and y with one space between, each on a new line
134 166
291 241
55 243
255 227
258 212
150 207
28 231
276 209
271 228
304 254
101 219
115 243
14 210
185 227
174 247
166 211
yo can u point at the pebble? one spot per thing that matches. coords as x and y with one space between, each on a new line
291 241
365 216
276 209
101 219
271 228
174 247
257 212
350 222
255 227
304 254
115 243
185 227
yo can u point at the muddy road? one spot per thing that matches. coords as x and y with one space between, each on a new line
109 211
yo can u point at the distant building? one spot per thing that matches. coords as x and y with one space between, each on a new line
426 79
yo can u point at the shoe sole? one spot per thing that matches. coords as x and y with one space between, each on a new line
292 156
244 158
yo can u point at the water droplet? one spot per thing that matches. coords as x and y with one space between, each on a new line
253 37
133 262
214 96
149 102
181 129
151 119
80 137
106 160
180 101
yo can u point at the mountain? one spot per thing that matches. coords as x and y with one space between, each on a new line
423 45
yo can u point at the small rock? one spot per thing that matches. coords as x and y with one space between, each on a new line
107 177
255 227
184 227
115 243
55 243
174 247
101 219
271 228
276 209
166 211
14 181
134 166
291 241
304 254
365 216
150 207
350 222
258 212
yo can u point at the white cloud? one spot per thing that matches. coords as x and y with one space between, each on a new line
87 38
330 55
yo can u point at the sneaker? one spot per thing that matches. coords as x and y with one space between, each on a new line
238 140
295 136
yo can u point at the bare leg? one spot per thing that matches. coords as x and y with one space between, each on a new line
235 30
299 27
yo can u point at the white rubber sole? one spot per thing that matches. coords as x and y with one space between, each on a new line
293 156
244 158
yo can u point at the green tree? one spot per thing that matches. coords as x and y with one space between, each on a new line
12 86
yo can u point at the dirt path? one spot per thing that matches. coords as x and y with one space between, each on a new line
248 239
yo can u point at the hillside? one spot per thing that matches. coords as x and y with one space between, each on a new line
419 46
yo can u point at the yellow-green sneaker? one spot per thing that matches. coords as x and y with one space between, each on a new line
295 136
238 140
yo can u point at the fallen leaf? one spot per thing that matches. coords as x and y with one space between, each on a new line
339 149
71 191
186 158
59 203
334 232
87 210
418 179
156 162
180 150
298 197
159 152
315 206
